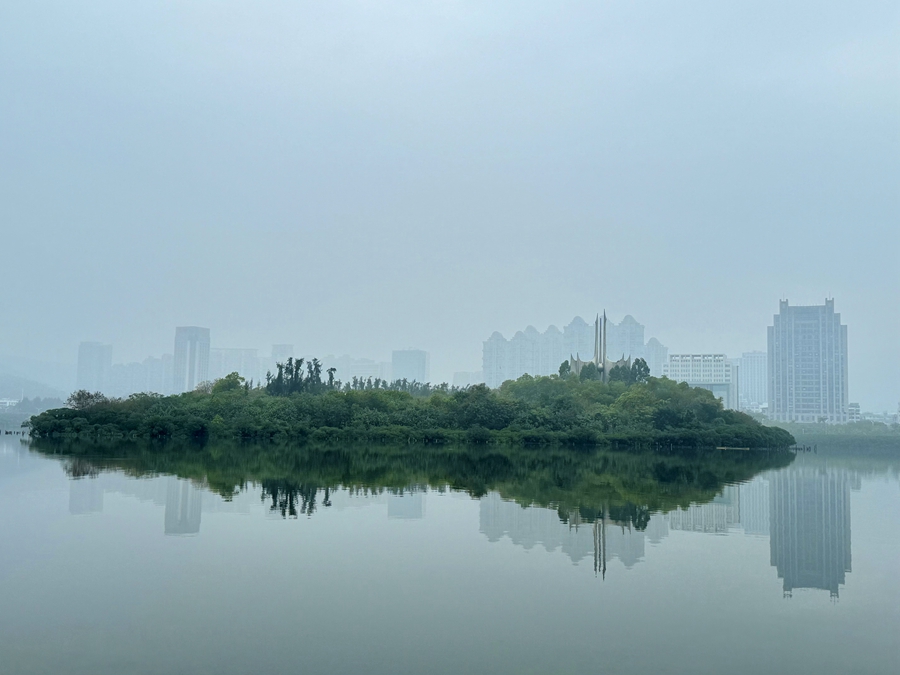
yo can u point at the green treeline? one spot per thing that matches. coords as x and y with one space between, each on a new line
300 405
628 486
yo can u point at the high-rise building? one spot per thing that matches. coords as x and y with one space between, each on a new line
807 365
410 364
191 364
656 355
714 372
754 389
94 365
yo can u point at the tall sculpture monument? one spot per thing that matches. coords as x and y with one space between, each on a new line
600 360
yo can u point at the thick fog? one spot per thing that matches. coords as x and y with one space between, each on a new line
357 177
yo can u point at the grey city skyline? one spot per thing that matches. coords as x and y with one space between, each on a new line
362 178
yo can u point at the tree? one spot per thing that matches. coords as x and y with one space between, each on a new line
565 369
620 374
231 382
589 371
640 371
83 399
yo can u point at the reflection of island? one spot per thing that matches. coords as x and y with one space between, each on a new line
602 538
184 502
810 527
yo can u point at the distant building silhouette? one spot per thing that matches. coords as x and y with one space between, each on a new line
244 362
467 379
807 362
534 353
191 363
94 365
410 364
347 367
708 371
754 389
810 527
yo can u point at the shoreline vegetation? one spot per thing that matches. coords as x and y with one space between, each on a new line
298 404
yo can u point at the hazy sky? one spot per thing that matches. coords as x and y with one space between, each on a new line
356 177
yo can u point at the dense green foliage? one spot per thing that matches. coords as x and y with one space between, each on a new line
542 410
296 478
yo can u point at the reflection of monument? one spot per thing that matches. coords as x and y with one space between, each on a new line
183 507
603 539
810 527
719 515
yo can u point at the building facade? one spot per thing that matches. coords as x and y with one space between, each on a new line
754 384
807 365
412 365
244 362
191 360
714 372
94 366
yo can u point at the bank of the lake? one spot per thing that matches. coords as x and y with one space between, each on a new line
528 411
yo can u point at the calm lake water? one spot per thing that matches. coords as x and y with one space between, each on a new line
397 561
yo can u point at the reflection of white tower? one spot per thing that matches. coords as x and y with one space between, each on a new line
810 527
183 507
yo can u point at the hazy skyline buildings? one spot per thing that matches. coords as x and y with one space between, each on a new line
191 359
412 365
714 372
536 353
94 364
244 362
807 364
754 380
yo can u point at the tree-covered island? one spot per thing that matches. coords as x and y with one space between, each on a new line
299 403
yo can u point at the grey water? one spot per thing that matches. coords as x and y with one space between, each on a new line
110 568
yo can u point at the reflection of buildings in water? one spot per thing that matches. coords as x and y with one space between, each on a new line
718 516
85 496
755 506
184 504
406 505
810 527
603 539
183 501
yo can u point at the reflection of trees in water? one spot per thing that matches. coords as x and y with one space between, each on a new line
626 487
286 495
79 467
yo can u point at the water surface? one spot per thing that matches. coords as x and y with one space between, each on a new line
236 560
